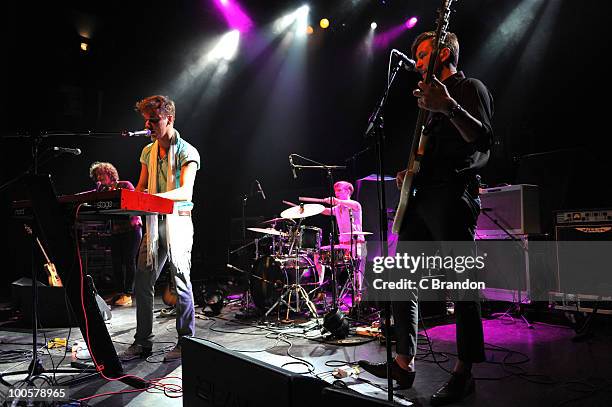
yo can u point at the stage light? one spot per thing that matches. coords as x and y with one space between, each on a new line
336 323
373 25
299 17
235 17
226 48
411 22
84 46
309 30
301 20
324 23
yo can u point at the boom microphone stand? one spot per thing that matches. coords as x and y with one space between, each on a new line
375 131
35 367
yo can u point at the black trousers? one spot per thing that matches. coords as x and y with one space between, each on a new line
124 251
441 213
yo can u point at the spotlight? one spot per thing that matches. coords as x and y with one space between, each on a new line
373 25
324 23
336 323
84 46
301 20
309 30
227 47
411 22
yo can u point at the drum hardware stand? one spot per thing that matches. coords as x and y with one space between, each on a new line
334 313
296 287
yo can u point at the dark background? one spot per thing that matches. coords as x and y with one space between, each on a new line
542 60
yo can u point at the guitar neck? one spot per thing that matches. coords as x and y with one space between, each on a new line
42 249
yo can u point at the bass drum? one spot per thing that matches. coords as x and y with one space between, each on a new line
267 282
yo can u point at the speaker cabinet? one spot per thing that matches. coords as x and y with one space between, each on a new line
515 208
215 376
520 271
584 258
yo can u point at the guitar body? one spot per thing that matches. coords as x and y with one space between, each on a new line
169 295
54 278
419 139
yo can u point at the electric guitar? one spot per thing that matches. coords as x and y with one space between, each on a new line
169 295
54 278
420 136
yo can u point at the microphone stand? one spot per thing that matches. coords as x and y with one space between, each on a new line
329 171
36 368
375 131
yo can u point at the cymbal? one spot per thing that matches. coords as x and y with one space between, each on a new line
268 231
276 220
356 233
302 211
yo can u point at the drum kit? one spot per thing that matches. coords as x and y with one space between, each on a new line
290 265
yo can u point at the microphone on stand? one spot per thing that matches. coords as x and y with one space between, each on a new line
408 63
292 166
139 133
73 151
260 190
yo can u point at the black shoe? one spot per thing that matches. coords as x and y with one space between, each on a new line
458 387
404 378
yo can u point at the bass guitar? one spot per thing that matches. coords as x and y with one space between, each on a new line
54 278
420 135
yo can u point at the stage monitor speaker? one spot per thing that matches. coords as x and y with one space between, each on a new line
215 376
333 396
515 207
584 255
52 310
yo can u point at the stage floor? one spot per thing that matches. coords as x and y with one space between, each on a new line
525 367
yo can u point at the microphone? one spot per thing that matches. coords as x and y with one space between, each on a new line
408 63
145 132
292 166
260 190
74 151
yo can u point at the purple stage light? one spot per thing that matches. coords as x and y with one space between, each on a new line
234 16
411 22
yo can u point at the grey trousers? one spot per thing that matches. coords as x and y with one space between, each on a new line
146 277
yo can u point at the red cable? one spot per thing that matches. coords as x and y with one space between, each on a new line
153 383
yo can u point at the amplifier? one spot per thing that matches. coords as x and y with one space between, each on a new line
583 216
584 253
514 207
521 271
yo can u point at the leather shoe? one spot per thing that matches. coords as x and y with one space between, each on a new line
458 387
404 378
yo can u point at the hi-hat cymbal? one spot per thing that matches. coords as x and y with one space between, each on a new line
302 211
268 231
277 220
356 233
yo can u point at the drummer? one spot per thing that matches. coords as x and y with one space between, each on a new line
349 219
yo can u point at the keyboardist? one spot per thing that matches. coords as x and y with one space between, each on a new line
126 233
168 169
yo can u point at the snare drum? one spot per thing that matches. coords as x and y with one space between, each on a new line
309 239
341 256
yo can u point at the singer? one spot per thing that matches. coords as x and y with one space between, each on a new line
446 204
126 234
168 169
